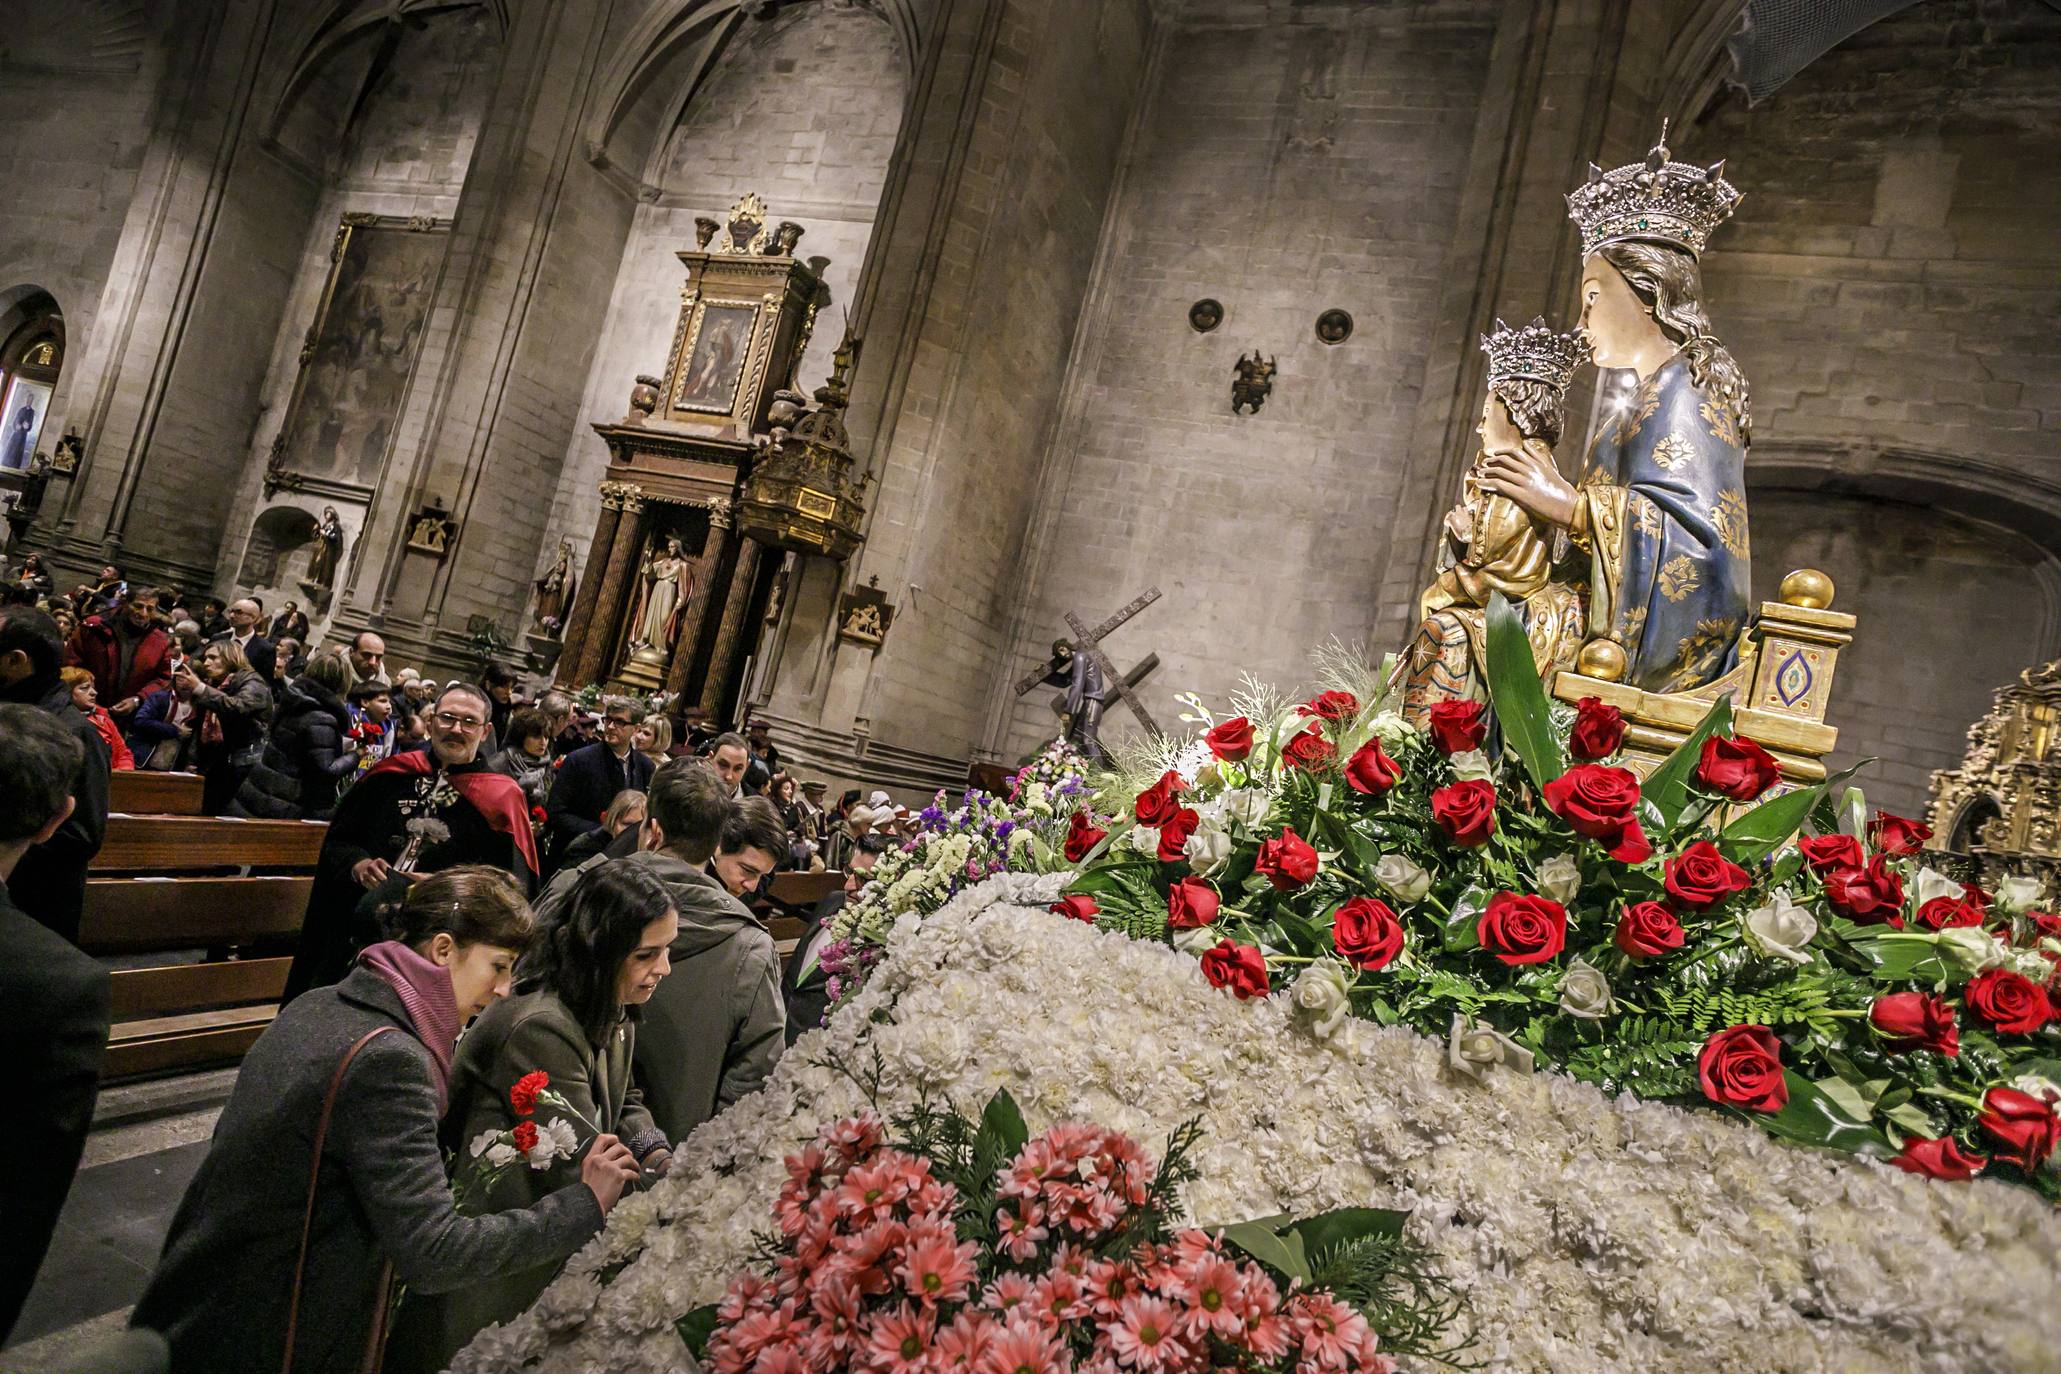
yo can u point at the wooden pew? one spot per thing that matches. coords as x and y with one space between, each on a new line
146 793
788 900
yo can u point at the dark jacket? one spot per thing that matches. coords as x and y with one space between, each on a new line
807 998
294 627
258 650
304 759
243 703
95 647
152 725
221 1289
587 781
50 881
53 1019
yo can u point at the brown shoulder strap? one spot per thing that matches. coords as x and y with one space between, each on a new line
300 1264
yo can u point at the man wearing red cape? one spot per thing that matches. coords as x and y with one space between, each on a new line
414 813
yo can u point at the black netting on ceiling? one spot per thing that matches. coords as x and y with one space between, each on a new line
1782 37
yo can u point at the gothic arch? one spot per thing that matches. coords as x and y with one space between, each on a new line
2012 495
336 27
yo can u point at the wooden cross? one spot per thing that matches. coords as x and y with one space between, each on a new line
1117 686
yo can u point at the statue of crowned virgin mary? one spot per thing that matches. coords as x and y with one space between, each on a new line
1642 564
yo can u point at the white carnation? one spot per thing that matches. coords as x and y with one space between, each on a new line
555 1139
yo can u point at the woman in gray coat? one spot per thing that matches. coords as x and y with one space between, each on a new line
573 1016
252 1256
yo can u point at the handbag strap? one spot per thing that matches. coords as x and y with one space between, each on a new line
300 1264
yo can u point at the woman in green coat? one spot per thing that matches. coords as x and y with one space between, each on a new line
573 1017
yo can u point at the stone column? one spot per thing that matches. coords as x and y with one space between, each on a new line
682 666
606 618
730 632
579 621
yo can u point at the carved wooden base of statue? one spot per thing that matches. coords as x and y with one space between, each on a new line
2002 806
1780 688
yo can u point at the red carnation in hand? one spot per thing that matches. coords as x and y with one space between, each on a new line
1736 768
1331 706
2009 1001
1742 1067
1872 896
1286 861
1521 929
1466 811
1156 805
1173 836
1366 933
1601 803
1191 902
1647 930
1700 877
522 1098
1941 1158
1309 750
1456 726
1826 852
2022 1126
1078 906
538 815
1897 835
1082 836
1230 741
1598 729
1241 968
524 1136
1915 1021
1371 771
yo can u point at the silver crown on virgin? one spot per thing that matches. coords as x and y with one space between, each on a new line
1534 353
1658 200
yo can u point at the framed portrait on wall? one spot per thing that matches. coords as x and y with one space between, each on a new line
21 421
718 351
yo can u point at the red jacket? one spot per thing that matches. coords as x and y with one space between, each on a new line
93 648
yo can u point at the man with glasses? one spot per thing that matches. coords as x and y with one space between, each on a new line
589 777
414 813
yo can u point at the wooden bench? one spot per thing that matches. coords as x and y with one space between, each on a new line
158 794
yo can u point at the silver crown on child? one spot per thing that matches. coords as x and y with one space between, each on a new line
1534 353
1658 200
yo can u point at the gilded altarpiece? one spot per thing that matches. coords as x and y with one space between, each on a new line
2002 806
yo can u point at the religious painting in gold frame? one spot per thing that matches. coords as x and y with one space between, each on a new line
716 356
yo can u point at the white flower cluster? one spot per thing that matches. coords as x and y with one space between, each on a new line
1589 1233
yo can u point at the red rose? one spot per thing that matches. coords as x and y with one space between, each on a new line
1240 968
1522 930
1079 907
1945 913
1191 902
1742 1067
1736 768
1371 771
1309 750
1915 1021
2046 923
1601 803
1826 852
1082 837
2009 1001
1701 877
1872 896
1457 726
1897 835
1286 861
1647 930
1466 811
1366 933
1941 1158
522 1098
1230 741
1598 729
1156 804
2022 1126
1977 898
1331 706
1173 836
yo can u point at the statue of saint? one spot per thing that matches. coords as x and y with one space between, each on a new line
328 549
1491 543
555 589
667 584
1081 708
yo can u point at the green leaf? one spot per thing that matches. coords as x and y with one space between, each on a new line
1463 925
1522 712
1325 1232
695 1328
1667 786
1813 1117
1270 1241
1001 1126
1758 833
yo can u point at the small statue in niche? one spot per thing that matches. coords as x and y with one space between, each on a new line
555 590
430 531
1255 381
667 584
322 560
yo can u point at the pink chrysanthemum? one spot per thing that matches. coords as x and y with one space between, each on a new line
1019 1231
1008 1292
1329 1332
1108 1284
1210 1290
966 1342
1145 1335
935 1270
901 1341
1024 1347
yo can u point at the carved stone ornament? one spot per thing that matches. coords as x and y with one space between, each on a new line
1205 315
1253 384
622 496
1334 327
747 226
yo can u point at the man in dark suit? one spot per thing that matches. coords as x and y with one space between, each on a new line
53 1008
244 616
50 881
589 777
804 987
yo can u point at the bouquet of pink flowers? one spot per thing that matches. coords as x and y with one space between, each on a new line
977 1248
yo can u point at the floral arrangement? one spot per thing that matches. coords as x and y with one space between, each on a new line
1586 1231
1701 936
972 1245
538 1145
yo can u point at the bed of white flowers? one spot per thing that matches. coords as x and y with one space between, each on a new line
1589 1233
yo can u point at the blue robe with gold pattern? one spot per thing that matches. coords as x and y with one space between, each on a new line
1662 512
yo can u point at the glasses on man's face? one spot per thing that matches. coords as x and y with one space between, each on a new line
452 721
616 723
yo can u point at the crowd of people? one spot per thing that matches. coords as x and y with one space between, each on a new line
579 887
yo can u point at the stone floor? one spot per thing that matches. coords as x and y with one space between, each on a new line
147 1141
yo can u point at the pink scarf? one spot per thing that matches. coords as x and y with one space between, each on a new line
424 987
